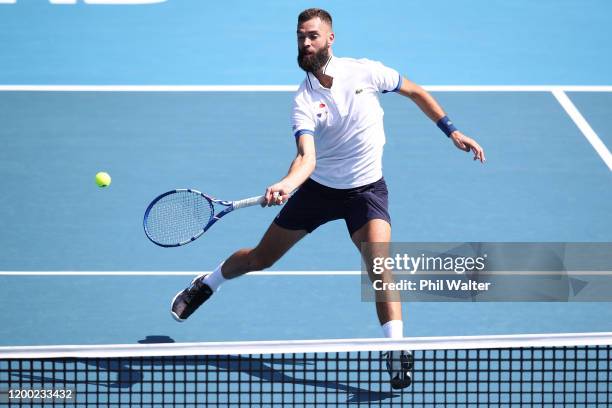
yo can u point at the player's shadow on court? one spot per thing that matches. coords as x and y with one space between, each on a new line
297 376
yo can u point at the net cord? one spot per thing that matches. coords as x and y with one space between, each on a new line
309 346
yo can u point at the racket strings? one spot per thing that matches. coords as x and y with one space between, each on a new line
178 217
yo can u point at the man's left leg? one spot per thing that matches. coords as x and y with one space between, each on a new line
376 234
372 241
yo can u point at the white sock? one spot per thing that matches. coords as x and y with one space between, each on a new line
215 279
393 329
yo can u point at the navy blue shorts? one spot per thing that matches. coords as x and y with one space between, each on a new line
315 204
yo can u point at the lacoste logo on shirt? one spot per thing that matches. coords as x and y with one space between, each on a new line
358 91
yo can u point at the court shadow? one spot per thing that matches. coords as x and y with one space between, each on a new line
156 339
272 375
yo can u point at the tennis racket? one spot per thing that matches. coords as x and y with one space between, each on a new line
181 216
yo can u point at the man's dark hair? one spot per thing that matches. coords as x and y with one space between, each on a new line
311 13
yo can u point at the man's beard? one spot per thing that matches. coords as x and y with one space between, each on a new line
313 62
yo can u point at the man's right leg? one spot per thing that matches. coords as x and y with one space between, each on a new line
273 245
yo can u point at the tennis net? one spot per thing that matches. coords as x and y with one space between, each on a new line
548 370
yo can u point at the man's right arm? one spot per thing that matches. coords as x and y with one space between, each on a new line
301 168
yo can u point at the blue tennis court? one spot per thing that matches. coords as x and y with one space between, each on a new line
533 188
177 94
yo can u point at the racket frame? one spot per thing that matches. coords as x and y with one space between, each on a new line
231 206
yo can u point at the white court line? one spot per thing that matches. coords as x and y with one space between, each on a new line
584 127
291 88
518 88
557 90
288 273
150 88
171 273
123 2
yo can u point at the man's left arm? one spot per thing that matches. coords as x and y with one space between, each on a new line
432 109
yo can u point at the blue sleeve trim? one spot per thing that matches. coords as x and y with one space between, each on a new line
398 86
303 132
399 83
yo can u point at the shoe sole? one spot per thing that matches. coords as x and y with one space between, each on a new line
174 315
406 366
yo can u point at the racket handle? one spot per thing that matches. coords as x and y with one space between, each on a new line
248 202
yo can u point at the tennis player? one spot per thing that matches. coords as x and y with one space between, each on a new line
337 172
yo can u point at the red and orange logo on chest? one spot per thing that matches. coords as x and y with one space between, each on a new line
321 109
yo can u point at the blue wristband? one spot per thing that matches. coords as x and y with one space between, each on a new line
446 126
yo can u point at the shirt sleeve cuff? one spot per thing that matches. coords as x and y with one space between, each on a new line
398 86
303 132
399 83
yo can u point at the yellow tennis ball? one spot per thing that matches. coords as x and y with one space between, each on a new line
103 179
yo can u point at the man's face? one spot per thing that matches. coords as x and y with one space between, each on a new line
314 38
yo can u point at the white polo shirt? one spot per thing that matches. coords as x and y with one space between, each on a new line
345 120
